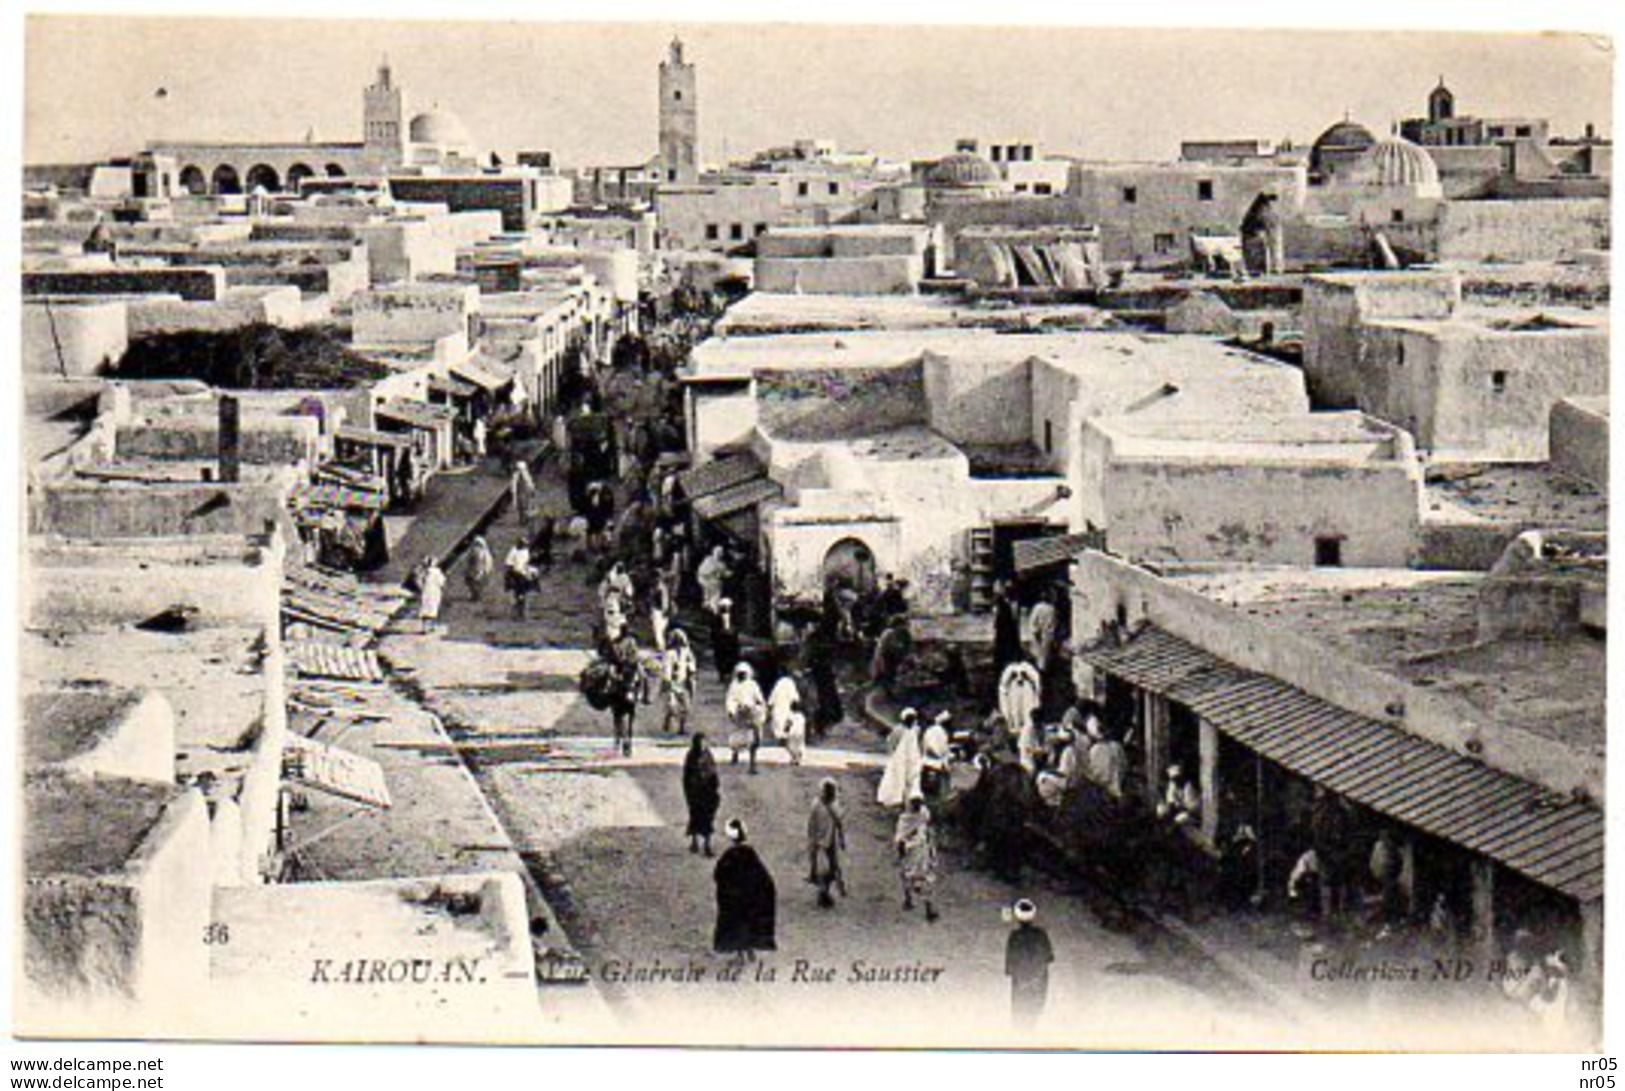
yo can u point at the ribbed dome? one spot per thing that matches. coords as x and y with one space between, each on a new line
1396 161
437 126
962 169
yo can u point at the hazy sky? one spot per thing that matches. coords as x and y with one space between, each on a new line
588 92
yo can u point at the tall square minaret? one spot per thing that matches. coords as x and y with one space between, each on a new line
679 118
383 118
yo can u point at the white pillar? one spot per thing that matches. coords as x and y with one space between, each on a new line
1208 743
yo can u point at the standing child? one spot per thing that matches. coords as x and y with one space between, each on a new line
432 590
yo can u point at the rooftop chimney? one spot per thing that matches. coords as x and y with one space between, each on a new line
231 439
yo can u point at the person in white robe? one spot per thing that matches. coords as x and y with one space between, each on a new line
1020 693
434 589
901 780
779 701
747 711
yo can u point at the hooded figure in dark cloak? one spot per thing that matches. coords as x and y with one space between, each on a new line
702 790
1006 628
1004 809
747 901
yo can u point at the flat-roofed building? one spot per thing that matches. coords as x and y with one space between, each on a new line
1314 489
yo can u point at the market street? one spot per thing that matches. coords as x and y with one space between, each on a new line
605 836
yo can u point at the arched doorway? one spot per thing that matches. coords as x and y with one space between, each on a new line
192 180
298 173
335 171
225 179
850 563
261 176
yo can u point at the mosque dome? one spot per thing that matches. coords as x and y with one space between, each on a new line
1396 161
962 170
437 126
1342 140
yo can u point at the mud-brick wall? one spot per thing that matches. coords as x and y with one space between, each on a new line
107 949
1261 514
979 400
1495 392
75 509
73 338
265 441
799 546
90 585
197 284
836 403
1579 440
504 195
1334 308
272 305
1533 230
884 274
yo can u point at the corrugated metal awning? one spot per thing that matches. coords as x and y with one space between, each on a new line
417 414
719 474
735 498
324 495
371 437
1032 554
453 386
1553 839
482 373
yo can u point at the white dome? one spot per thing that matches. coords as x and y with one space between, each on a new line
437 126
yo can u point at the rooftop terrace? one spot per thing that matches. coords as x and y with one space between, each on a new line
1423 627
88 827
762 313
1520 493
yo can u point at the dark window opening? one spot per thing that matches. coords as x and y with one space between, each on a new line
834 188
1328 552
677 96
1130 195
737 231
1397 215
1049 438
761 229
1043 189
802 189
1525 130
712 231
1204 190
1498 381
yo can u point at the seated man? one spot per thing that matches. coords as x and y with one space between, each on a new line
1062 770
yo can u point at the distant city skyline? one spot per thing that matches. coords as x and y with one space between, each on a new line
102 86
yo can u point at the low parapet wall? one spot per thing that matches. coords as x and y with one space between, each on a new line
86 509
92 584
265 441
194 283
117 897
244 305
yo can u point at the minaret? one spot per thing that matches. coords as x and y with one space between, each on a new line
679 118
383 121
1441 103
